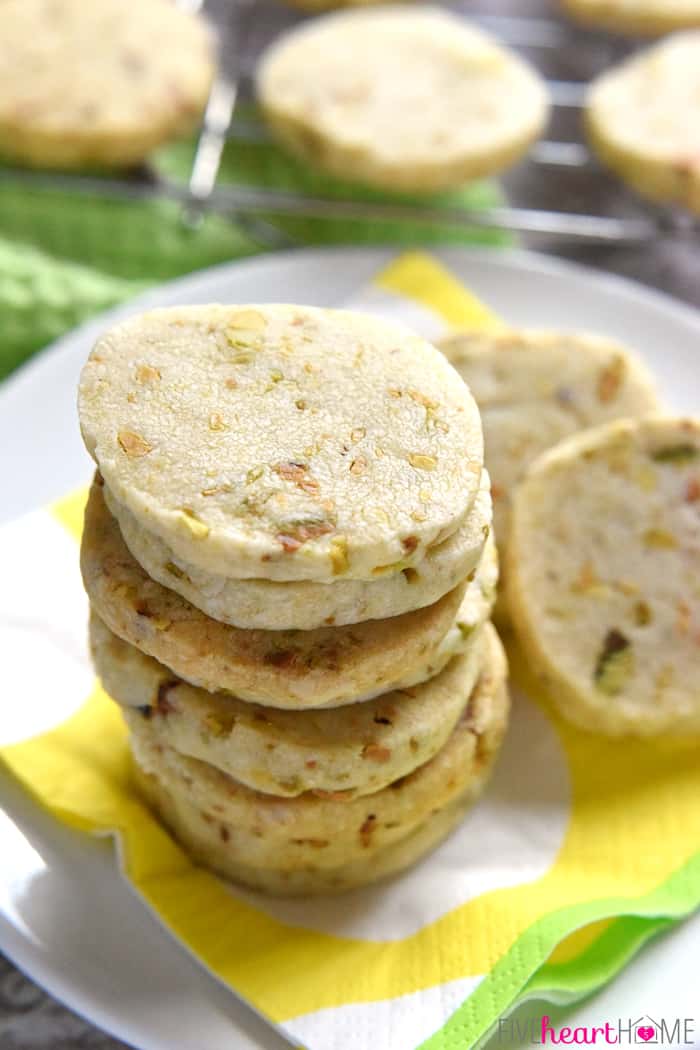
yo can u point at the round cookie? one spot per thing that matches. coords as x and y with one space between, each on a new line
287 669
208 843
534 388
354 750
642 120
306 605
405 98
282 442
308 833
602 576
81 84
639 17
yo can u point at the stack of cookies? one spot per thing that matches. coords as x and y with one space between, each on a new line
288 556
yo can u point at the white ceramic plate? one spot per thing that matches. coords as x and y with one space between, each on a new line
66 917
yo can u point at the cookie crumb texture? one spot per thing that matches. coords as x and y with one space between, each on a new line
282 442
409 98
99 82
603 575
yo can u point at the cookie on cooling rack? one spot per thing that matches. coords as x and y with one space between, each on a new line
638 17
643 120
407 98
98 83
312 844
603 582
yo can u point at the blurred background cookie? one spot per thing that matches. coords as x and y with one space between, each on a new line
99 83
643 120
409 98
639 17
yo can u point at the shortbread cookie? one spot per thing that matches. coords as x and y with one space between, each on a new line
282 442
82 84
534 388
408 98
354 750
643 120
324 834
639 17
603 581
329 666
208 843
275 606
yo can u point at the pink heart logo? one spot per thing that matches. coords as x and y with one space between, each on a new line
646 1032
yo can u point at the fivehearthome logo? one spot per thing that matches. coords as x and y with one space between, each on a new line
642 1031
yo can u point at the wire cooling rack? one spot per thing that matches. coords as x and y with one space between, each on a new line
545 191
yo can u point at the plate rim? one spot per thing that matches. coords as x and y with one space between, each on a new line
512 259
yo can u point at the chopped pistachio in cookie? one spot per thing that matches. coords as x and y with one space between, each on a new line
534 388
639 17
282 442
603 582
344 751
81 83
309 833
292 669
643 120
307 605
403 97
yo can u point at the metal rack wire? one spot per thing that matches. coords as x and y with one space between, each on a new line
222 122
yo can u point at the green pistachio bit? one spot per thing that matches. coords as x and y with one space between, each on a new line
465 629
219 725
660 538
615 663
679 454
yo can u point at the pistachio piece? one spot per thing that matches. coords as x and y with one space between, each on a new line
192 523
216 421
610 379
248 319
376 752
615 663
421 461
678 454
133 444
146 374
660 539
339 555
